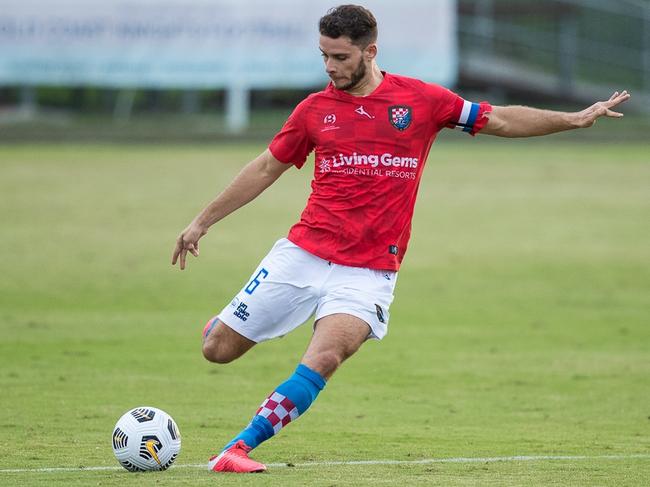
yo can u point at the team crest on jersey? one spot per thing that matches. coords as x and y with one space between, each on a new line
400 116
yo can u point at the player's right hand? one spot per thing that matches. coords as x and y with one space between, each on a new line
188 241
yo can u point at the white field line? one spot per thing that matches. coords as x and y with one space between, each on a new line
532 458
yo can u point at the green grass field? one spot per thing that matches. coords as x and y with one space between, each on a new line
521 324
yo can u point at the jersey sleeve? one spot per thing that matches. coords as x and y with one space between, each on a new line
453 111
292 144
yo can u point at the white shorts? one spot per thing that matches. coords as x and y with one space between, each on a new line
291 284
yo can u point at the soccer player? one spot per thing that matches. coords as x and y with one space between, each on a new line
371 132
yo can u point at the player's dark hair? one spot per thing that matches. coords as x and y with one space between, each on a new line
352 21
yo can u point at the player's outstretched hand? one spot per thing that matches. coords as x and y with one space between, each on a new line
588 116
188 241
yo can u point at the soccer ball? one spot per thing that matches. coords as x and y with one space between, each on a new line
146 438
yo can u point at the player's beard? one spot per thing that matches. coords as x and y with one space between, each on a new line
356 77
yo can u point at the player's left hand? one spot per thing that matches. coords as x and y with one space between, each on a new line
587 117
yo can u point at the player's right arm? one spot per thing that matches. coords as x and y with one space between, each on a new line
253 179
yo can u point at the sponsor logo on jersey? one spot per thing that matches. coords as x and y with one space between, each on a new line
400 116
329 121
362 111
373 160
325 165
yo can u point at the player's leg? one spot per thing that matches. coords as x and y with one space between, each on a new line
271 303
353 306
281 295
352 309
222 344
336 338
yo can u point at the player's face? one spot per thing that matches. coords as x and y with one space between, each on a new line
345 63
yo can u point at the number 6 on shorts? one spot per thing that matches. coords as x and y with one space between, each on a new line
256 281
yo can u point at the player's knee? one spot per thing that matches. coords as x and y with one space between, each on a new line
217 356
222 344
215 352
215 347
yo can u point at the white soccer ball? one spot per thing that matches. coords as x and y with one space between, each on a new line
146 438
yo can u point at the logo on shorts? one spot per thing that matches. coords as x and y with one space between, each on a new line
241 312
380 314
393 249
400 116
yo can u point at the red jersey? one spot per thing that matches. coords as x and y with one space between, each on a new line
369 156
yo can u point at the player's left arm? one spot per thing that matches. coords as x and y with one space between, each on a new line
520 121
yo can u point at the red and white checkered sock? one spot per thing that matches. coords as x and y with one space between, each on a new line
291 399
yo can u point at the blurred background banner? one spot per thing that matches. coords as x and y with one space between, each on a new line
201 44
131 69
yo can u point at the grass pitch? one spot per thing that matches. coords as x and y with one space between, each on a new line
520 325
